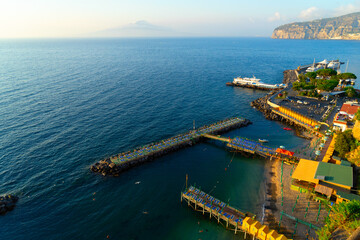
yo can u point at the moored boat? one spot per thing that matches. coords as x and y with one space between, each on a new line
287 129
254 83
263 140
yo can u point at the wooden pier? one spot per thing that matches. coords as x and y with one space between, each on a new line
256 148
230 217
117 163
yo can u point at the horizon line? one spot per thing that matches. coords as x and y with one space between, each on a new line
131 37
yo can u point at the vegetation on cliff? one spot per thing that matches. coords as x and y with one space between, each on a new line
344 217
344 143
354 155
342 27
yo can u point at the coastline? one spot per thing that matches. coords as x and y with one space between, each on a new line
294 203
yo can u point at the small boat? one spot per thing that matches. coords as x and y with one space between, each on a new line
263 140
137 182
282 147
287 129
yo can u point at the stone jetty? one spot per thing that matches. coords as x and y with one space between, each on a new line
116 164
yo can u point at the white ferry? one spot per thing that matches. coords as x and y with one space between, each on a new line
254 83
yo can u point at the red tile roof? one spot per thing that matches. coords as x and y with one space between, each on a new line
350 108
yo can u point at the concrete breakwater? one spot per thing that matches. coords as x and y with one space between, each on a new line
7 203
263 106
114 165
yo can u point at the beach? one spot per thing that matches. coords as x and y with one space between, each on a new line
274 206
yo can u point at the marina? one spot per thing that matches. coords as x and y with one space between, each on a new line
332 64
120 162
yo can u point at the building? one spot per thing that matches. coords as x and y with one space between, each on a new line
345 115
263 232
255 227
247 222
340 122
349 109
332 180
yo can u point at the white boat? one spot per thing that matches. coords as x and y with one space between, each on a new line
240 80
255 82
312 68
334 64
263 140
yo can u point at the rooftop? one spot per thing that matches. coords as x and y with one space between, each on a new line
313 171
334 173
305 171
348 196
350 108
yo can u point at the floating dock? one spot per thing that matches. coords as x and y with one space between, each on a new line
230 217
117 163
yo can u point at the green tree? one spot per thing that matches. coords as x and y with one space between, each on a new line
308 86
344 143
357 115
327 85
302 78
311 75
326 72
296 86
350 92
346 76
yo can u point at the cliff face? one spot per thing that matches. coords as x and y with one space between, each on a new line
343 27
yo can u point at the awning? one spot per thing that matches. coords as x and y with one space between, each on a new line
284 151
324 190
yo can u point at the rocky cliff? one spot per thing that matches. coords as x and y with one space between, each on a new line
343 27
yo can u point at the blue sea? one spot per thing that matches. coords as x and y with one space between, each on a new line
68 103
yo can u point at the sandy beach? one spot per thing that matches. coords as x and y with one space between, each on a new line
273 206
294 202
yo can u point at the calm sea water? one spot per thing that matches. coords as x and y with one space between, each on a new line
65 104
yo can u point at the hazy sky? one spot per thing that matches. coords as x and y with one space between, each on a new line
77 18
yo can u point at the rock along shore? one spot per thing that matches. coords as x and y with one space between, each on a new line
261 104
7 203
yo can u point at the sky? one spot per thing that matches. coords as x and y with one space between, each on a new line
193 18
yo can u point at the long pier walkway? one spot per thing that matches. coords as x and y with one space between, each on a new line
256 148
117 163
230 217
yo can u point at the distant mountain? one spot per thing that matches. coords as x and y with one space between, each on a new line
343 27
137 29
